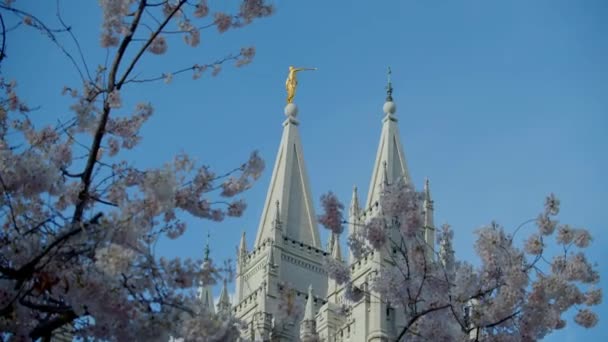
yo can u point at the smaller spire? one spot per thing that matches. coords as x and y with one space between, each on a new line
427 190
354 204
207 250
389 86
336 251
309 313
428 205
270 259
276 223
243 244
223 305
308 326
446 252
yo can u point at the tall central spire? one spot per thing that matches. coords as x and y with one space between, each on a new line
390 165
289 186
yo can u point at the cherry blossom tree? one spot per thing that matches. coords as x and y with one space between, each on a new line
78 223
515 293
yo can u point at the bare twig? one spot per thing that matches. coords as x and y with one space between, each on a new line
37 23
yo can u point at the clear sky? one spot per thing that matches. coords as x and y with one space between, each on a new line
499 104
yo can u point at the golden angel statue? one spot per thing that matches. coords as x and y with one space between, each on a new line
292 82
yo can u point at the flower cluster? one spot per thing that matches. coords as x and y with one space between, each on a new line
332 213
510 296
80 224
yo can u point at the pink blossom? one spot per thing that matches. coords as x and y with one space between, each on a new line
201 9
108 40
246 56
114 146
578 268
586 318
198 71
158 46
534 245
582 238
251 9
356 244
61 154
169 8
160 186
117 193
337 271
114 100
400 201
254 167
176 229
193 36
546 226
332 213
113 22
375 232
216 70
552 205
565 234
113 259
128 128
236 208
217 215
233 186
593 297
203 179
222 21
27 20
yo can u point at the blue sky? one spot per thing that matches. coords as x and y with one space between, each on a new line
499 104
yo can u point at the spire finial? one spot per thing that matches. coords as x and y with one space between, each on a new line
309 312
207 250
389 86
427 192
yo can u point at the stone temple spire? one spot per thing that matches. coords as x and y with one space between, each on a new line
390 165
205 291
336 254
223 305
336 250
308 327
354 211
290 187
243 246
207 250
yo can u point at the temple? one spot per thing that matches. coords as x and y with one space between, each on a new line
283 292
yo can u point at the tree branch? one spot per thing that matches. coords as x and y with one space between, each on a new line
145 46
46 328
415 318
92 158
